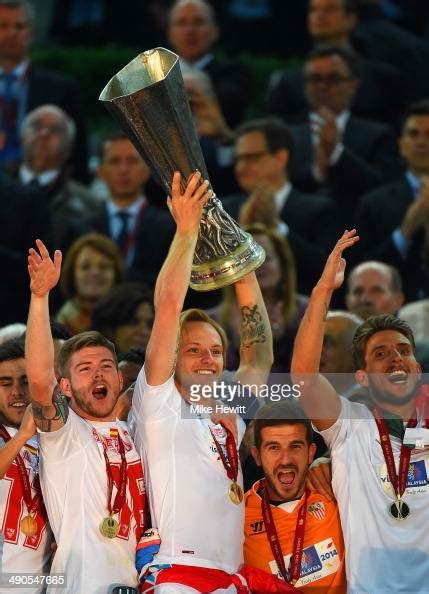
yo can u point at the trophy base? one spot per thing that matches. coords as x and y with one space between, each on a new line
228 269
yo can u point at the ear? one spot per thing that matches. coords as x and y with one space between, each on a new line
214 34
282 155
399 300
311 452
256 455
66 387
121 381
361 377
352 21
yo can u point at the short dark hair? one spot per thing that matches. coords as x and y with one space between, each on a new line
118 307
109 137
59 331
370 327
285 412
12 349
91 338
275 131
418 108
346 54
133 355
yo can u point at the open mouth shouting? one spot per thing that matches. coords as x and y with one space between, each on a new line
287 477
100 391
399 376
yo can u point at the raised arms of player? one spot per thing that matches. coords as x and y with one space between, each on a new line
173 279
49 412
10 449
256 341
318 398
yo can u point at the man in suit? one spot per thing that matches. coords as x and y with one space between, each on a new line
335 152
142 231
393 221
332 22
24 87
23 217
262 151
48 135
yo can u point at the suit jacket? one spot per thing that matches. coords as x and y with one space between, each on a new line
286 97
378 215
24 217
369 159
231 83
45 86
154 234
312 231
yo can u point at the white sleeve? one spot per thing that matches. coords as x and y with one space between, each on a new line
352 414
152 403
62 443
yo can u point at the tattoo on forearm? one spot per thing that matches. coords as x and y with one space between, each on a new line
252 326
45 415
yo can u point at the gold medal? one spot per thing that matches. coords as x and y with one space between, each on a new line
28 526
399 510
235 493
109 527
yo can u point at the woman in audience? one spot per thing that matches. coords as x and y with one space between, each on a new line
277 279
125 316
92 267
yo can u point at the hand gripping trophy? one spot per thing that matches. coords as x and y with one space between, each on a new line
148 99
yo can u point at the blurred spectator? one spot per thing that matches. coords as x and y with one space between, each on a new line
23 217
48 135
129 364
374 288
335 152
24 86
393 221
336 361
378 39
12 331
192 33
416 314
92 267
142 231
285 307
125 316
332 22
262 152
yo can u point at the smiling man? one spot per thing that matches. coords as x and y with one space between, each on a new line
91 474
377 479
25 537
280 512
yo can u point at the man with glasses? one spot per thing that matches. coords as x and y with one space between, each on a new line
335 152
262 151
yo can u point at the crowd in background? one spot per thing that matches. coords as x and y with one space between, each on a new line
342 141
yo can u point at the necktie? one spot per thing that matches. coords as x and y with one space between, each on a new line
123 235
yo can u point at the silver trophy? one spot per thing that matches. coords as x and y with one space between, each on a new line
148 99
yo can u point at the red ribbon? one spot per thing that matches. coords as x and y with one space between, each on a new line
120 496
399 482
33 504
292 575
230 462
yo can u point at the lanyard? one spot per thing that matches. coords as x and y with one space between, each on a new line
292 575
230 462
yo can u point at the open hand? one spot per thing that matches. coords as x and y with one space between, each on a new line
44 272
187 207
333 274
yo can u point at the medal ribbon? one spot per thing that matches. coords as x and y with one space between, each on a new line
399 482
120 496
230 462
292 575
33 504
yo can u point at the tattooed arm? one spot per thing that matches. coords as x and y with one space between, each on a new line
318 397
256 341
50 410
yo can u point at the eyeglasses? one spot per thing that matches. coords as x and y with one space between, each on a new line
329 79
250 157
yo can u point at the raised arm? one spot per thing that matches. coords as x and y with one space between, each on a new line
173 279
318 398
49 412
256 341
